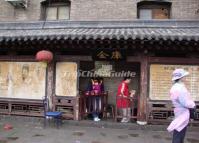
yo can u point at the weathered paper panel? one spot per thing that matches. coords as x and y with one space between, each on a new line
160 80
66 79
22 80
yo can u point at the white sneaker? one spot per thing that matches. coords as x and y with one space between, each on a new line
96 119
124 120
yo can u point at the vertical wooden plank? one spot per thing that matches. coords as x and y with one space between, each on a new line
50 83
77 101
9 108
76 109
142 106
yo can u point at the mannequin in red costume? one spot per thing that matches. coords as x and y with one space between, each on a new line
123 99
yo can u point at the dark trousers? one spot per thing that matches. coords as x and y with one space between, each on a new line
178 137
96 103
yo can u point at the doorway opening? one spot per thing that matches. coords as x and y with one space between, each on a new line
112 74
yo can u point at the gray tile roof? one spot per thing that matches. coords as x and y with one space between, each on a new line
166 30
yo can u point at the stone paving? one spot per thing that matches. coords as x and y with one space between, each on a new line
33 132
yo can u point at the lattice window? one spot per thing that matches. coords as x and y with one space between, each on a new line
56 10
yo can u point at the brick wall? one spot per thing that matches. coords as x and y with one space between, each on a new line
185 9
7 11
98 10
103 10
127 9
33 12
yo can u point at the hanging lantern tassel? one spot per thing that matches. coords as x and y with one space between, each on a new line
44 57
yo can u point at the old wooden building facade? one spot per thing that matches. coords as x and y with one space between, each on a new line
152 50
111 37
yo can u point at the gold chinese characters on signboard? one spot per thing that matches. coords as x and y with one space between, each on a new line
109 55
116 55
160 80
103 55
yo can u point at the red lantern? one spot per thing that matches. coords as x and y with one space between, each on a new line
44 56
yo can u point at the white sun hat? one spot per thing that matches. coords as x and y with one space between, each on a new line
179 73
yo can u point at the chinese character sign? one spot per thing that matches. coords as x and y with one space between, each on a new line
109 55
116 55
160 80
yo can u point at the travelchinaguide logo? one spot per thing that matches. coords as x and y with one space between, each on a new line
93 73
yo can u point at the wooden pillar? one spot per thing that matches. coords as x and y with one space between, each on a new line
77 114
50 83
76 109
142 106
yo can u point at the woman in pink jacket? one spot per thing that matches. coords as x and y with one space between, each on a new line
182 102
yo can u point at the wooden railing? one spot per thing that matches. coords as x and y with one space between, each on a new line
133 100
22 107
160 112
88 103
67 105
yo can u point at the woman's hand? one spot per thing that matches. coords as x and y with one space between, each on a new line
123 96
132 93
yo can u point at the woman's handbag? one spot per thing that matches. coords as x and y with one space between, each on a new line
193 113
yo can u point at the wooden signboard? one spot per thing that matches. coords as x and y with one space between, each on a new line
160 81
109 55
24 80
66 79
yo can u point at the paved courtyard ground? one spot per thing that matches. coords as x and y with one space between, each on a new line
33 132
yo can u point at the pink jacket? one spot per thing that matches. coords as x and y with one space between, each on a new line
182 101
